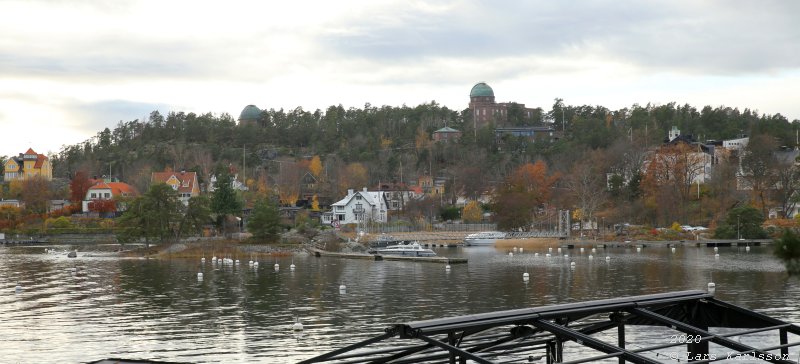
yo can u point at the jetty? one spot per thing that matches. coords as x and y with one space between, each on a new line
378 257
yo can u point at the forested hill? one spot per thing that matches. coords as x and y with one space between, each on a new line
394 143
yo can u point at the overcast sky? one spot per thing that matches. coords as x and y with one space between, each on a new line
70 68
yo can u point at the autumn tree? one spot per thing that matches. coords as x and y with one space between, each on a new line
758 169
315 167
669 177
587 186
524 192
355 176
472 212
290 175
35 194
78 186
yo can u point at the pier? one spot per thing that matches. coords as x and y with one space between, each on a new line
377 257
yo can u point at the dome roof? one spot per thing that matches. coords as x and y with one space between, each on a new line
250 112
481 89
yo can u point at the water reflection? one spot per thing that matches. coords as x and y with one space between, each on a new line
97 306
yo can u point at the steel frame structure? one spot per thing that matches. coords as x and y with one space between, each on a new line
535 334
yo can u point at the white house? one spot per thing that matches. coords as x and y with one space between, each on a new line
107 191
358 207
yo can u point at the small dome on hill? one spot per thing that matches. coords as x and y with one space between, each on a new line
481 89
250 113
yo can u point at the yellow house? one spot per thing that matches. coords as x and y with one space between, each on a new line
185 183
28 165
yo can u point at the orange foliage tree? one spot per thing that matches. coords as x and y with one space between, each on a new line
525 190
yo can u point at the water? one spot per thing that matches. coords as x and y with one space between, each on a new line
89 308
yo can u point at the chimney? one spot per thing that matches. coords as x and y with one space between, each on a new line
365 189
350 192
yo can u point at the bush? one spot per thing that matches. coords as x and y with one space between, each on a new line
787 249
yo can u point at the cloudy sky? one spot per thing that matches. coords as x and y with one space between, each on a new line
70 68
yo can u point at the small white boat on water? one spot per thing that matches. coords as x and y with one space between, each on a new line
410 250
483 238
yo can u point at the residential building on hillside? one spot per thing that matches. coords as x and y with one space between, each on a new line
358 207
399 194
532 133
485 110
185 183
27 165
446 134
107 191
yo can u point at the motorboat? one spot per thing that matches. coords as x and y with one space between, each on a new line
483 238
410 250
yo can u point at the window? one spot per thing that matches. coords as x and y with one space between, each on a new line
358 197
94 195
339 208
107 195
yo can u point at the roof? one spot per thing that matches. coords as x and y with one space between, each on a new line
481 89
40 158
186 179
117 188
30 151
250 112
447 129
371 197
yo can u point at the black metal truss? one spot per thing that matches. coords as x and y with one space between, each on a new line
533 333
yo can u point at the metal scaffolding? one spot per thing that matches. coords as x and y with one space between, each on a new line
536 334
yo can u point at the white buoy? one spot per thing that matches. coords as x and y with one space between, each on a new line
515 248
199 276
673 250
747 248
594 250
277 266
250 263
526 276
255 264
520 249
712 287
447 267
292 266
535 254
638 249
342 288
297 325
566 256
581 250
550 250
559 250
572 264
203 260
591 257
18 289
716 256
716 249
608 258
547 255
214 258
510 254
237 261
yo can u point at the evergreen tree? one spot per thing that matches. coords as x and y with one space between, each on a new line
264 222
224 200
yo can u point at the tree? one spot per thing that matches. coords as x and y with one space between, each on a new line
742 222
315 167
586 182
264 222
525 191
472 212
758 169
787 249
35 194
196 215
78 186
153 216
224 200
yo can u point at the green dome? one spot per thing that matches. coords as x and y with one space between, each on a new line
481 89
250 112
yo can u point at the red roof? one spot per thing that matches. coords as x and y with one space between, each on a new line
187 179
40 158
117 188
30 151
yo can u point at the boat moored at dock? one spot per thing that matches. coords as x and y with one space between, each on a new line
413 250
483 238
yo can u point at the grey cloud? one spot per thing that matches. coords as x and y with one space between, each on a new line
107 113
717 37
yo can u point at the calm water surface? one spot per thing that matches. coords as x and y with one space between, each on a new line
94 307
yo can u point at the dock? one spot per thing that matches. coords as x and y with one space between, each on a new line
377 257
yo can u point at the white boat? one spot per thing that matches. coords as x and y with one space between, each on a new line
483 238
411 250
